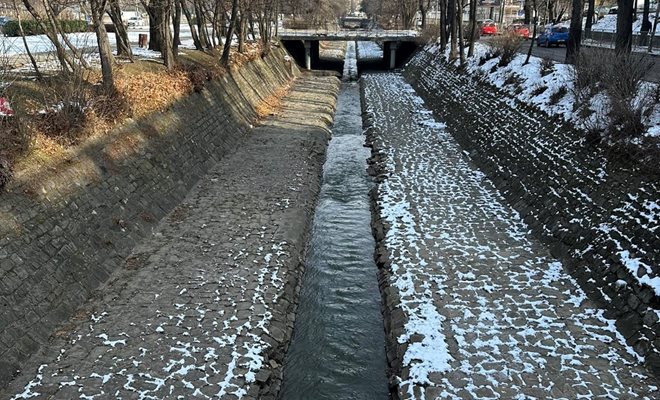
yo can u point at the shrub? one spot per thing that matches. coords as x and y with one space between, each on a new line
32 27
489 55
5 172
507 46
558 95
587 72
621 77
547 66
539 90
630 100
513 79
429 34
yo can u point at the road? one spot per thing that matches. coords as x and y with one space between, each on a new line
559 54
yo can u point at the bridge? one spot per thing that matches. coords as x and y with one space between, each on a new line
391 39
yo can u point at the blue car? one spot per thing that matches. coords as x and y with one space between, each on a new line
554 35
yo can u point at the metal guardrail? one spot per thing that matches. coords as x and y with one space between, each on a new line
607 39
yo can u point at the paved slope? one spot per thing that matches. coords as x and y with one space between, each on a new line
487 312
204 307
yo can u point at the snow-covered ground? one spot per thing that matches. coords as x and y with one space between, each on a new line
12 46
369 51
490 314
559 78
608 24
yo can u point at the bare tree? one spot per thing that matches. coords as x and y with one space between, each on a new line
459 24
453 31
121 35
590 17
159 29
97 8
224 60
624 21
646 24
473 26
25 43
191 24
574 33
48 24
535 21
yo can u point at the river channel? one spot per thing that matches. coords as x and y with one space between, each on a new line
338 348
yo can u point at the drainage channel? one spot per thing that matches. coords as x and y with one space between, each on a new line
338 348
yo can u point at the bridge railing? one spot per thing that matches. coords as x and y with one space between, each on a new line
373 33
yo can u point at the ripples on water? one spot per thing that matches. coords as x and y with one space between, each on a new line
338 348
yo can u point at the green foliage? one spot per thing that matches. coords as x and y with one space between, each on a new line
32 27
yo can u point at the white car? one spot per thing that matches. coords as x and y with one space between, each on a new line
134 22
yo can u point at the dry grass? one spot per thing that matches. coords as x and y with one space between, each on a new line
273 103
66 116
251 53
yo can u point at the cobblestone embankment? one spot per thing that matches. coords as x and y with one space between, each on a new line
58 243
599 215
475 306
204 307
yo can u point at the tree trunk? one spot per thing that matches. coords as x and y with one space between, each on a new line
97 8
574 33
535 21
155 22
224 60
167 50
240 32
201 25
551 11
459 23
451 17
422 12
528 12
52 16
590 18
121 35
48 26
25 43
646 24
473 26
176 22
193 29
443 25
655 27
624 21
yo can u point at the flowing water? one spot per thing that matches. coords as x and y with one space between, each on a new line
338 348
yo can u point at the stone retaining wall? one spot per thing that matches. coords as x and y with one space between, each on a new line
599 214
59 243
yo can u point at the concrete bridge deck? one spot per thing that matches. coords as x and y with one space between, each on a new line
373 35
391 40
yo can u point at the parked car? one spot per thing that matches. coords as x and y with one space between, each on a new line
3 22
488 28
520 30
553 35
613 10
134 22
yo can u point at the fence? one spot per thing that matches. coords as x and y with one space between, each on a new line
607 39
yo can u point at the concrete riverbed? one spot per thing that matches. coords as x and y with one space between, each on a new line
338 347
